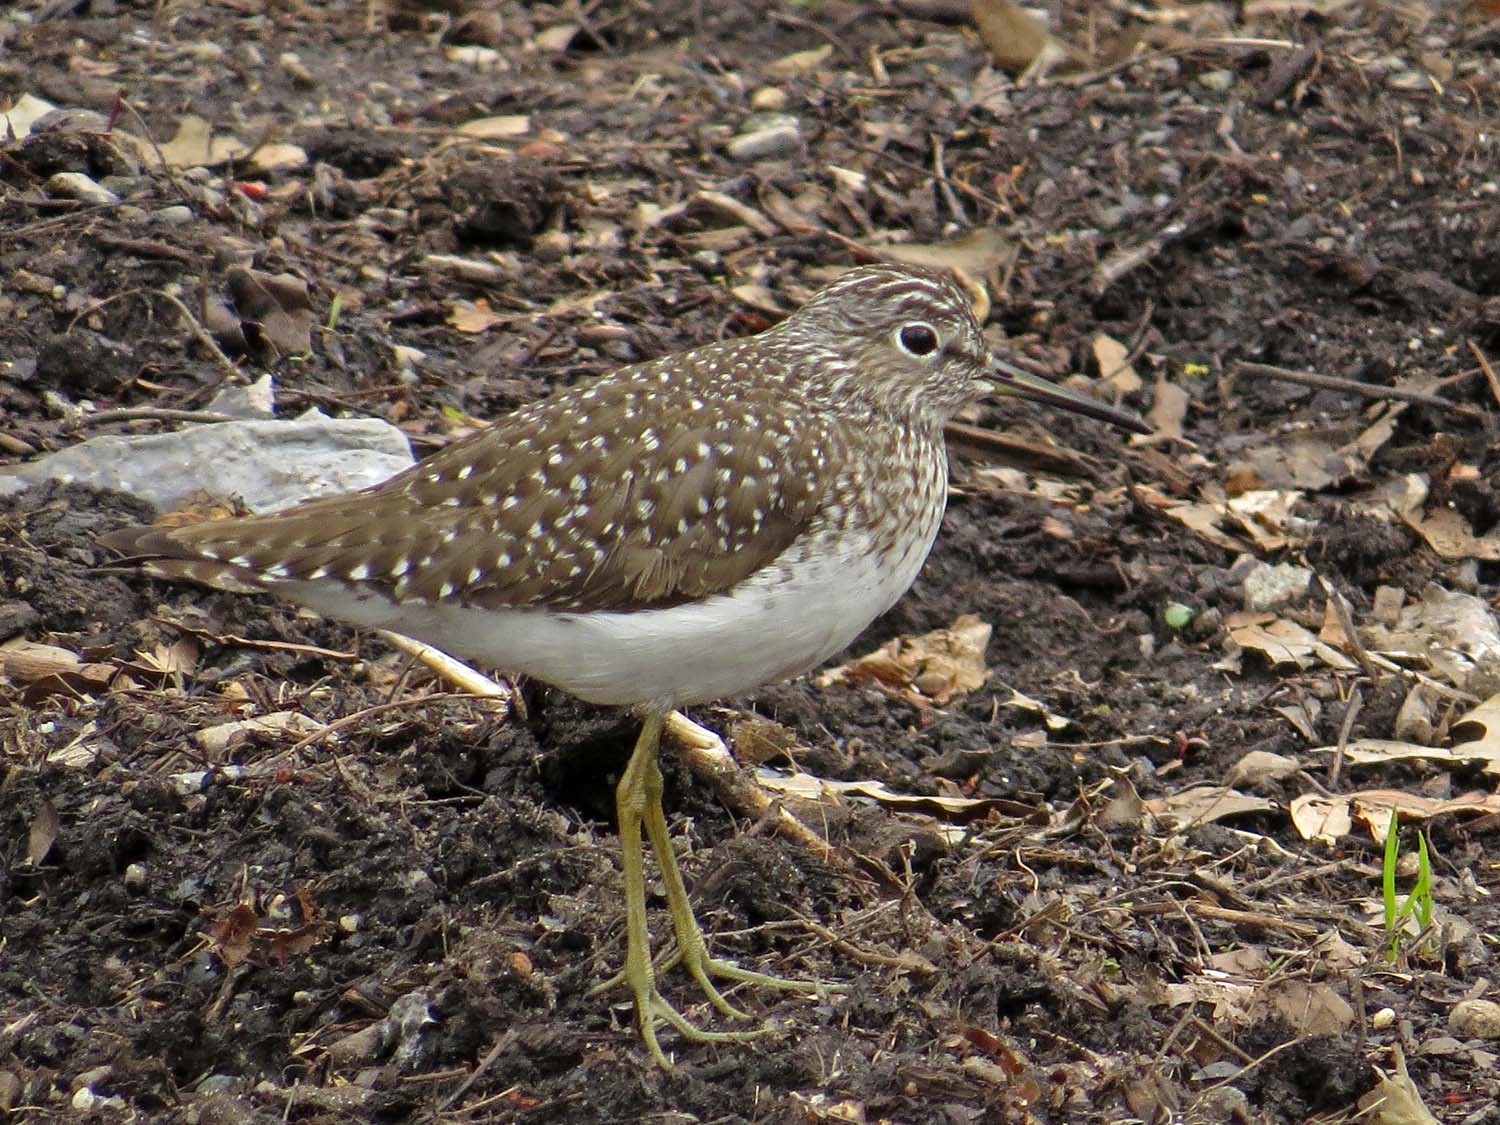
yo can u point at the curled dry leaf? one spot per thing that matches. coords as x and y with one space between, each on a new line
1204 519
274 311
1480 731
45 826
807 787
1451 537
1373 751
1328 817
291 725
241 934
1205 804
1395 1099
49 670
930 669
1325 819
1284 642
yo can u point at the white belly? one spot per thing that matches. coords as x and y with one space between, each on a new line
785 619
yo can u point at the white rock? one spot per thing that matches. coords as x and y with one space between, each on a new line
1267 587
267 464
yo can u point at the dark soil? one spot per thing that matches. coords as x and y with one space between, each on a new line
404 920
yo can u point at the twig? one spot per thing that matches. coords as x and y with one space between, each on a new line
1346 625
1486 367
502 1045
1354 387
710 761
456 672
149 414
941 172
1351 712
1117 265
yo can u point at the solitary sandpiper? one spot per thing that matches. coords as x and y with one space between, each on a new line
667 534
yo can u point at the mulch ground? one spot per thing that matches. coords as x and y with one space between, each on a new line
1098 910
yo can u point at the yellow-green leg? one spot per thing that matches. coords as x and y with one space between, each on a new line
638 801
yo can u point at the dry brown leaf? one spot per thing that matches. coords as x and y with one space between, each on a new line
1327 817
1284 642
975 254
1309 460
1015 40
820 789
1244 960
48 670
557 38
195 145
971 258
1451 537
278 158
233 934
1169 404
1395 1099
1205 804
1480 731
1113 360
1231 1000
1336 955
472 317
1316 817
176 659
1266 513
45 826
274 311
1308 1008
1368 751
1201 518
925 670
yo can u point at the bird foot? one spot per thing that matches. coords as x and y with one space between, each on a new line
653 1010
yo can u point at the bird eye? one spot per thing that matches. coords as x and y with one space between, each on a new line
918 339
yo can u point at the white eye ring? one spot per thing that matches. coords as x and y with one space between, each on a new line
918 339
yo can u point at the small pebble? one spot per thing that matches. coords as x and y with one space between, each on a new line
177 215
1475 1019
768 99
551 246
766 137
75 185
292 66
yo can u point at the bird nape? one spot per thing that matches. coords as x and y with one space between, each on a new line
667 534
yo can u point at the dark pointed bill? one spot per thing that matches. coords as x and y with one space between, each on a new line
1013 381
